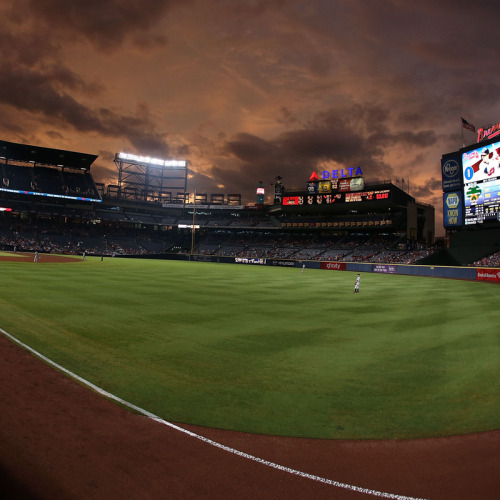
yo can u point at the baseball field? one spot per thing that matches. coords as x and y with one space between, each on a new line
267 350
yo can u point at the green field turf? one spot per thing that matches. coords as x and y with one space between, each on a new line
268 350
11 254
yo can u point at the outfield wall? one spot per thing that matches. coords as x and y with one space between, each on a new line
462 273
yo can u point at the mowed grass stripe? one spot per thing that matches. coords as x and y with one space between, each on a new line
268 350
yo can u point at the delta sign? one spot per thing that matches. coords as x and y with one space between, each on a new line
341 180
347 172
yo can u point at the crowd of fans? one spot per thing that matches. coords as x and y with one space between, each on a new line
108 241
351 248
492 260
48 237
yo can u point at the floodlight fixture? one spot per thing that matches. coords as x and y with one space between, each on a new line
152 161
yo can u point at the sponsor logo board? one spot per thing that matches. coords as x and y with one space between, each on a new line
485 274
384 268
335 266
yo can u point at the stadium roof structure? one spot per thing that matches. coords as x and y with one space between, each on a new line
46 156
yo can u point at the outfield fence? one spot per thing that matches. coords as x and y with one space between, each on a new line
451 272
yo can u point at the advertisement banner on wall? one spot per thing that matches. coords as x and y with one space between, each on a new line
335 266
451 172
244 260
384 268
281 263
453 213
492 274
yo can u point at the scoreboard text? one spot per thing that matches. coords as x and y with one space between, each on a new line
326 199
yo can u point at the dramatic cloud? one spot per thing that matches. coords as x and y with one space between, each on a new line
252 89
104 24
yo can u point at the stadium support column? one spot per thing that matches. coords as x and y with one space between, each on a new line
193 225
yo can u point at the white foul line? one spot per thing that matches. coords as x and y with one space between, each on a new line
204 439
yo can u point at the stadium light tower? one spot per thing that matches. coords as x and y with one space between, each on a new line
144 178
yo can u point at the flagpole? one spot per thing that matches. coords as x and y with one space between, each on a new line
462 128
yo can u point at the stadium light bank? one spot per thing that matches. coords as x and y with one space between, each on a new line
153 161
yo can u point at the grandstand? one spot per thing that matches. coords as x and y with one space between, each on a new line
51 203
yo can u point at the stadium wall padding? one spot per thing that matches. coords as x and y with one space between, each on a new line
463 273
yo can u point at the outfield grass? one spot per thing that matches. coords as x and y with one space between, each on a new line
268 350
11 254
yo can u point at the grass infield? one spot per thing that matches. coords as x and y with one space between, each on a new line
269 350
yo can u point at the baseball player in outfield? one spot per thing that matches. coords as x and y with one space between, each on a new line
356 284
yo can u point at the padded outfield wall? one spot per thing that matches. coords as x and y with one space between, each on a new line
463 273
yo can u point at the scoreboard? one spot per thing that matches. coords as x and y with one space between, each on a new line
471 185
328 199
482 202
481 179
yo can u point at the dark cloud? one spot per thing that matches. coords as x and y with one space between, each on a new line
249 148
54 135
34 92
339 137
104 24
420 139
154 143
335 135
107 156
428 188
62 77
247 90
25 48
104 172
286 117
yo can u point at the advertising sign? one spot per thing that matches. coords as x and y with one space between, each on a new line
489 133
352 184
324 187
293 200
384 268
335 266
451 172
282 263
452 209
488 274
244 260
312 187
338 173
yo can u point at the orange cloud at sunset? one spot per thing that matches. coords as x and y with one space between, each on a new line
249 90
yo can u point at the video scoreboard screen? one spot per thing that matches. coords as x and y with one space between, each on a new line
326 199
481 178
482 202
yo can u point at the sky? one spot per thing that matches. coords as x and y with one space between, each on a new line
248 90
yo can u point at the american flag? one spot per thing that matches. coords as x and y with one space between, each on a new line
467 125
